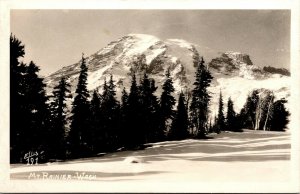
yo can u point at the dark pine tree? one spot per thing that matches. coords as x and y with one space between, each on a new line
200 100
29 113
37 112
221 118
123 116
110 108
179 129
279 119
79 130
61 93
167 101
17 99
145 111
231 122
149 109
134 134
96 124
156 133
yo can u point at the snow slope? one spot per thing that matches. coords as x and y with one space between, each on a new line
252 157
238 89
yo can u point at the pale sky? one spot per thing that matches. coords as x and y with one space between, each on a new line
56 38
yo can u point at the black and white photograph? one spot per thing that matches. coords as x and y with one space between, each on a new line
160 99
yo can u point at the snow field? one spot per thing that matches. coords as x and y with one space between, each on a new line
252 156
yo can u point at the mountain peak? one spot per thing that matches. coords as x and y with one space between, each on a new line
236 64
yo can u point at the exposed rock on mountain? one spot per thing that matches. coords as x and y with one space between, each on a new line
273 70
236 64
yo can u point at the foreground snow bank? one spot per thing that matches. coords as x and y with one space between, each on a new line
248 157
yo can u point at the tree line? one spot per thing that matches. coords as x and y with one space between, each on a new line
99 123
260 112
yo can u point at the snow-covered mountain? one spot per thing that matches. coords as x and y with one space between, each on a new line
233 72
120 58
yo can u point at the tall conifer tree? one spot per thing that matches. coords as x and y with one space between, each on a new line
123 116
17 121
37 113
200 100
167 101
231 116
179 129
96 124
29 114
110 108
61 93
149 109
79 131
134 135
221 118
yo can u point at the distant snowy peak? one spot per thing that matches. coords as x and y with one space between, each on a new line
236 64
137 53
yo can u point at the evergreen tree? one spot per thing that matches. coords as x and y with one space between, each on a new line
123 116
111 114
58 118
29 113
279 118
221 118
17 121
157 134
149 109
79 132
134 135
167 101
200 100
145 101
96 124
231 117
179 129
37 114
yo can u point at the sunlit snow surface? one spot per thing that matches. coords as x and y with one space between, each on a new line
239 88
251 156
